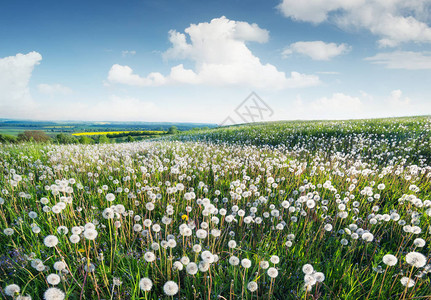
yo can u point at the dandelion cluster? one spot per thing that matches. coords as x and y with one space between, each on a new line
337 209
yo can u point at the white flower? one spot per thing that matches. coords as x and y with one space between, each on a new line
74 238
419 242
252 286
307 269
231 244
50 241
59 266
53 279
319 276
275 259
246 263
110 197
54 293
407 282
416 259
145 284
233 260
12 289
149 256
272 272
390 260
90 234
264 264
170 288
192 268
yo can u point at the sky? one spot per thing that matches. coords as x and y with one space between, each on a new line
198 61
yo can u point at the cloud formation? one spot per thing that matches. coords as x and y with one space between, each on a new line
407 60
317 50
395 21
218 50
15 74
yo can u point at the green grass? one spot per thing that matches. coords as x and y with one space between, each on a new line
231 169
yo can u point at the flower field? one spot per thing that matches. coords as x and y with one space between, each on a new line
293 210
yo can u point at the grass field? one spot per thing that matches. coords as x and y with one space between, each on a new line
286 210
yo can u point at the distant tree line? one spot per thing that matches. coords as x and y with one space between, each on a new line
40 136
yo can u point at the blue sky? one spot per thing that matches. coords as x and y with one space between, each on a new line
197 60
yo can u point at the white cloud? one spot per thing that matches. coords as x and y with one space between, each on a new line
15 74
125 53
220 56
338 104
395 21
317 50
51 89
125 75
403 60
396 99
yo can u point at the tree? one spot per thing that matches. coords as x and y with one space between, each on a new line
130 138
173 130
85 140
38 136
63 138
103 139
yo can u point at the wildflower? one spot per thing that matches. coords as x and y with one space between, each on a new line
246 263
53 279
145 284
390 260
50 241
252 286
405 281
12 290
307 269
90 234
272 272
185 217
149 256
54 293
170 288
192 268
416 259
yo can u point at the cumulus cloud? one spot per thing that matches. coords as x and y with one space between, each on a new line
408 60
396 99
220 56
15 74
52 89
337 104
394 21
317 50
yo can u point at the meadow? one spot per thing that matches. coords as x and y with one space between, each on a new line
284 210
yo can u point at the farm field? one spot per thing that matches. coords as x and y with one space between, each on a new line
283 210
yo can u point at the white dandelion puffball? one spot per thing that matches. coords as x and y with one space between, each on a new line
50 241
275 259
192 268
74 238
416 259
90 234
231 244
264 264
419 242
246 263
252 286
170 288
59 265
272 272
390 260
319 276
149 256
328 227
368 237
53 279
145 284
233 260
405 281
12 289
307 269
54 293
110 197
